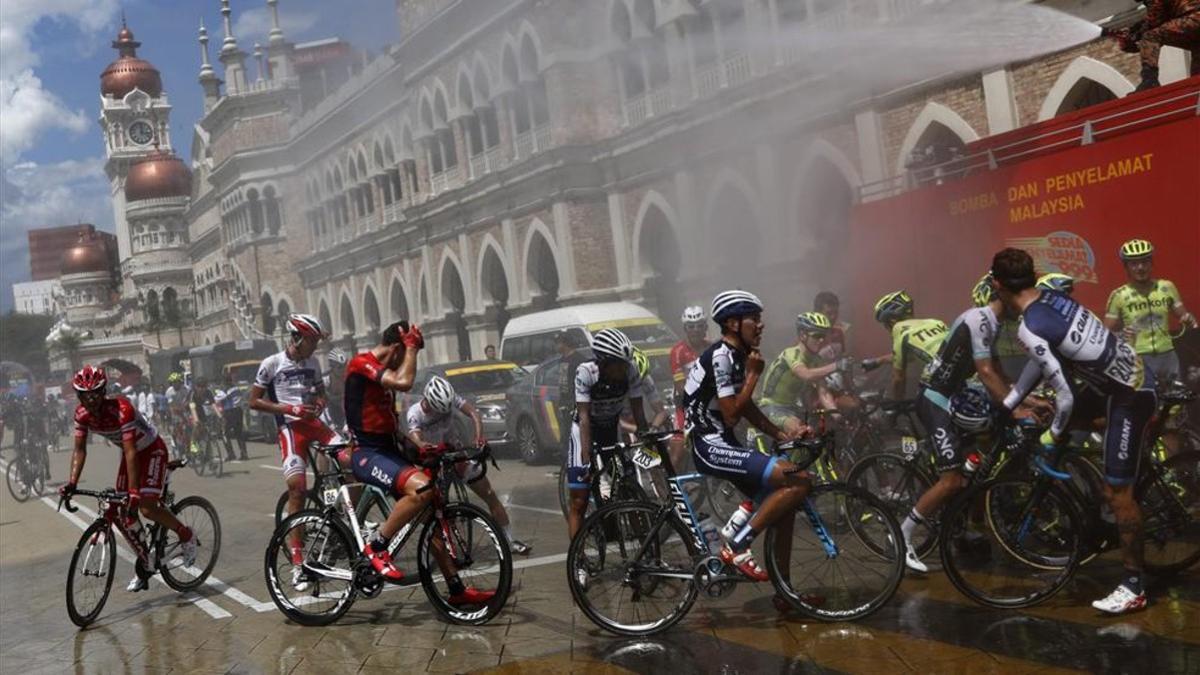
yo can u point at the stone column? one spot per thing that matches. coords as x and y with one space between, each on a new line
457 127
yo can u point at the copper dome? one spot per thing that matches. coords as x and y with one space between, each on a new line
158 175
128 71
87 256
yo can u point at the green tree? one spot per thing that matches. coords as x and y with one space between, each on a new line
23 339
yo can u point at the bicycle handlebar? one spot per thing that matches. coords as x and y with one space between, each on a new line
108 495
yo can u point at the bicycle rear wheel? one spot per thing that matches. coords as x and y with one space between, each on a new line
90 576
17 479
1170 501
845 562
325 589
621 591
310 502
198 515
476 548
216 457
899 484
1012 542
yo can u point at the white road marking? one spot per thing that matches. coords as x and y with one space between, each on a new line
505 498
273 468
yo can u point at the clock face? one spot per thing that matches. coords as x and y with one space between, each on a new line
140 132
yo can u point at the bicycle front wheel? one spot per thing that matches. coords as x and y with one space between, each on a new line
465 541
199 516
899 483
845 562
17 478
314 584
90 577
1010 542
281 505
1170 501
631 569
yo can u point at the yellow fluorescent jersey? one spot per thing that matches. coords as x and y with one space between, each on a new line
1146 315
916 337
780 384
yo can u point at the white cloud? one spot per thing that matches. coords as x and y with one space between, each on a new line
27 110
253 25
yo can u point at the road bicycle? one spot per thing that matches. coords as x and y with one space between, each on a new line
646 563
90 576
613 478
206 452
451 534
29 469
328 476
1041 527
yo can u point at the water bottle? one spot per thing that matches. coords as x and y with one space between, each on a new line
712 538
971 463
739 518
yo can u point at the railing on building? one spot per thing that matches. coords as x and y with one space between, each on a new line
1186 104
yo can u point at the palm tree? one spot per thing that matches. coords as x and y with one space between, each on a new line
70 343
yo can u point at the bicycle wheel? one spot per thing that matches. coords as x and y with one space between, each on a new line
472 545
324 590
899 484
310 502
639 566
198 515
1010 542
845 562
17 479
90 576
216 457
199 462
1170 501
564 492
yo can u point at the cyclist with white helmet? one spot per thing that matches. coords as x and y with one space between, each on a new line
1141 309
430 422
912 339
718 396
603 384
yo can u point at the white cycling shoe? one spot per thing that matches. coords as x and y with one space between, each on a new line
137 583
1121 601
299 579
912 562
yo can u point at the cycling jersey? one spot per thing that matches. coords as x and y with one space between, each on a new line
202 400
288 382
606 398
1146 314
682 358
117 421
369 406
781 387
1067 342
434 427
916 337
1007 344
971 337
719 372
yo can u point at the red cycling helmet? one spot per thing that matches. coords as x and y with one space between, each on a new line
304 325
90 378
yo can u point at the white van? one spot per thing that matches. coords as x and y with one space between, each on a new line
528 340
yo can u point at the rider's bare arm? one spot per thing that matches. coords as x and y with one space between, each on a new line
470 411
78 459
401 379
639 413
584 410
760 422
809 374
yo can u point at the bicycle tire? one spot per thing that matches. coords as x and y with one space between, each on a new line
1052 498
1180 475
310 502
564 493
198 462
596 528
499 542
169 573
833 602
900 494
98 529
17 487
336 535
216 457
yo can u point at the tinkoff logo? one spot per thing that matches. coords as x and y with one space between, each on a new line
1061 251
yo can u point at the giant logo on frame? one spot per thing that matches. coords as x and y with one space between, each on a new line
1060 251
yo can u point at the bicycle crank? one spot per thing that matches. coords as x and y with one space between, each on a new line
712 577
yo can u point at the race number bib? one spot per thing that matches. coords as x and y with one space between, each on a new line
646 458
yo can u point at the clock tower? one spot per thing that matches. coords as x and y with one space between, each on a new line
134 116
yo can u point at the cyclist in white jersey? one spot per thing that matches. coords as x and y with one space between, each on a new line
430 422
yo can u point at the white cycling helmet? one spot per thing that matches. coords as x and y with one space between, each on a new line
302 325
610 343
439 394
734 303
693 314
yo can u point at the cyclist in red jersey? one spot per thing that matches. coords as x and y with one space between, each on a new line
143 468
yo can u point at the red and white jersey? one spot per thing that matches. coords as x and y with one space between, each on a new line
682 358
289 382
117 421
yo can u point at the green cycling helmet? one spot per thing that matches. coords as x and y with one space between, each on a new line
813 322
894 306
642 361
983 293
175 378
1055 281
1135 249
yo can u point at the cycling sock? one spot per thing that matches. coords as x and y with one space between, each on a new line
184 532
742 540
910 523
455 584
378 543
1133 581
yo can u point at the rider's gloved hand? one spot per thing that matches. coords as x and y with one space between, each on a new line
413 338
845 364
67 490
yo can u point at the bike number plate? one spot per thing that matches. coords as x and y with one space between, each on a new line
329 496
646 459
908 445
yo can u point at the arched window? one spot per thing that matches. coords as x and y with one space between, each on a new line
267 309
271 206
348 325
371 311
397 302
256 211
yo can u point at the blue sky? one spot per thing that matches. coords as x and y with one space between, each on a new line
51 55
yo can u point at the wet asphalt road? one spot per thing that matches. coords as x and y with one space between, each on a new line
231 625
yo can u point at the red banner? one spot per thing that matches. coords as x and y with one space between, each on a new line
1071 210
